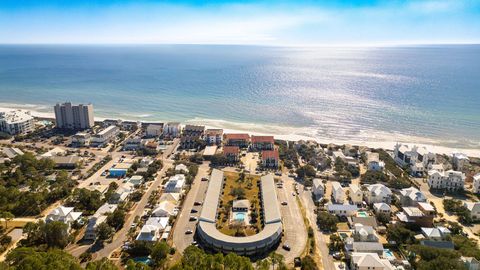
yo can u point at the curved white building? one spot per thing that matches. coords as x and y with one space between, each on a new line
259 243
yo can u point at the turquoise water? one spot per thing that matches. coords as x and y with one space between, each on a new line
239 216
362 214
427 94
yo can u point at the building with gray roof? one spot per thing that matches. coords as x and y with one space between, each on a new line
259 243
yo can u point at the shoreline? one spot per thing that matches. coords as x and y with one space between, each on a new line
252 128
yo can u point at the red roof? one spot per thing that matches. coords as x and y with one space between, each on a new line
237 136
263 139
270 154
231 150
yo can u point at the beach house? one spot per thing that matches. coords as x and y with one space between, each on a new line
473 209
374 163
377 193
449 181
175 184
356 194
411 196
338 194
417 158
98 218
459 161
63 214
213 136
342 210
476 183
318 189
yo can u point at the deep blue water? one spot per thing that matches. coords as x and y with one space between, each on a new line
429 94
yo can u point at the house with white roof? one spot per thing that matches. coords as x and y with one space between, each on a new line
369 261
459 161
449 181
378 193
476 183
342 210
122 192
12 152
136 180
338 194
416 157
318 188
411 196
362 233
98 218
174 198
356 194
181 167
473 209
382 208
175 184
164 209
63 214
437 234
152 229
374 163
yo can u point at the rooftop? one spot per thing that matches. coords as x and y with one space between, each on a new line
237 136
16 116
269 154
263 139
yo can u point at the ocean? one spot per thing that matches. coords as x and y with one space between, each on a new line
422 94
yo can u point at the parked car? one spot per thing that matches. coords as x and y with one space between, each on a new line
188 232
284 203
194 211
286 247
192 218
197 203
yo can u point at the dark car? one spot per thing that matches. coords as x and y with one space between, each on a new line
297 262
286 247
194 211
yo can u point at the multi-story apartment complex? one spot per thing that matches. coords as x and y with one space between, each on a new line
16 122
68 116
417 158
213 136
450 180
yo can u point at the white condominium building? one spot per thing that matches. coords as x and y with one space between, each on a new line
16 122
70 116
105 135
476 183
417 158
450 180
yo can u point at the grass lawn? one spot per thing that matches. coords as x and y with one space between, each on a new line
250 186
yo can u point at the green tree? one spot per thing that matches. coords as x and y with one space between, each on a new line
276 260
103 264
400 234
26 258
308 263
7 216
56 234
104 231
131 265
327 221
159 253
116 219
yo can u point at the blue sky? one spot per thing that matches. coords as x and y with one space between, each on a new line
327 22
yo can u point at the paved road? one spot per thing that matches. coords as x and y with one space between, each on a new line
295 233
197 193
320 238
121 236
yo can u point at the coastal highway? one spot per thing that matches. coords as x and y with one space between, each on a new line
197 193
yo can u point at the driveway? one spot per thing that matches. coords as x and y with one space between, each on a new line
197 193
295 233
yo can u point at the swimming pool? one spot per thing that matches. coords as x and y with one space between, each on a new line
362 214
388 254
239 216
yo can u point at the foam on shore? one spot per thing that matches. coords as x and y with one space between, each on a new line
377 140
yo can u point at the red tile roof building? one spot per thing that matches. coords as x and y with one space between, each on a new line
270 158
231 153
262 142
237 139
